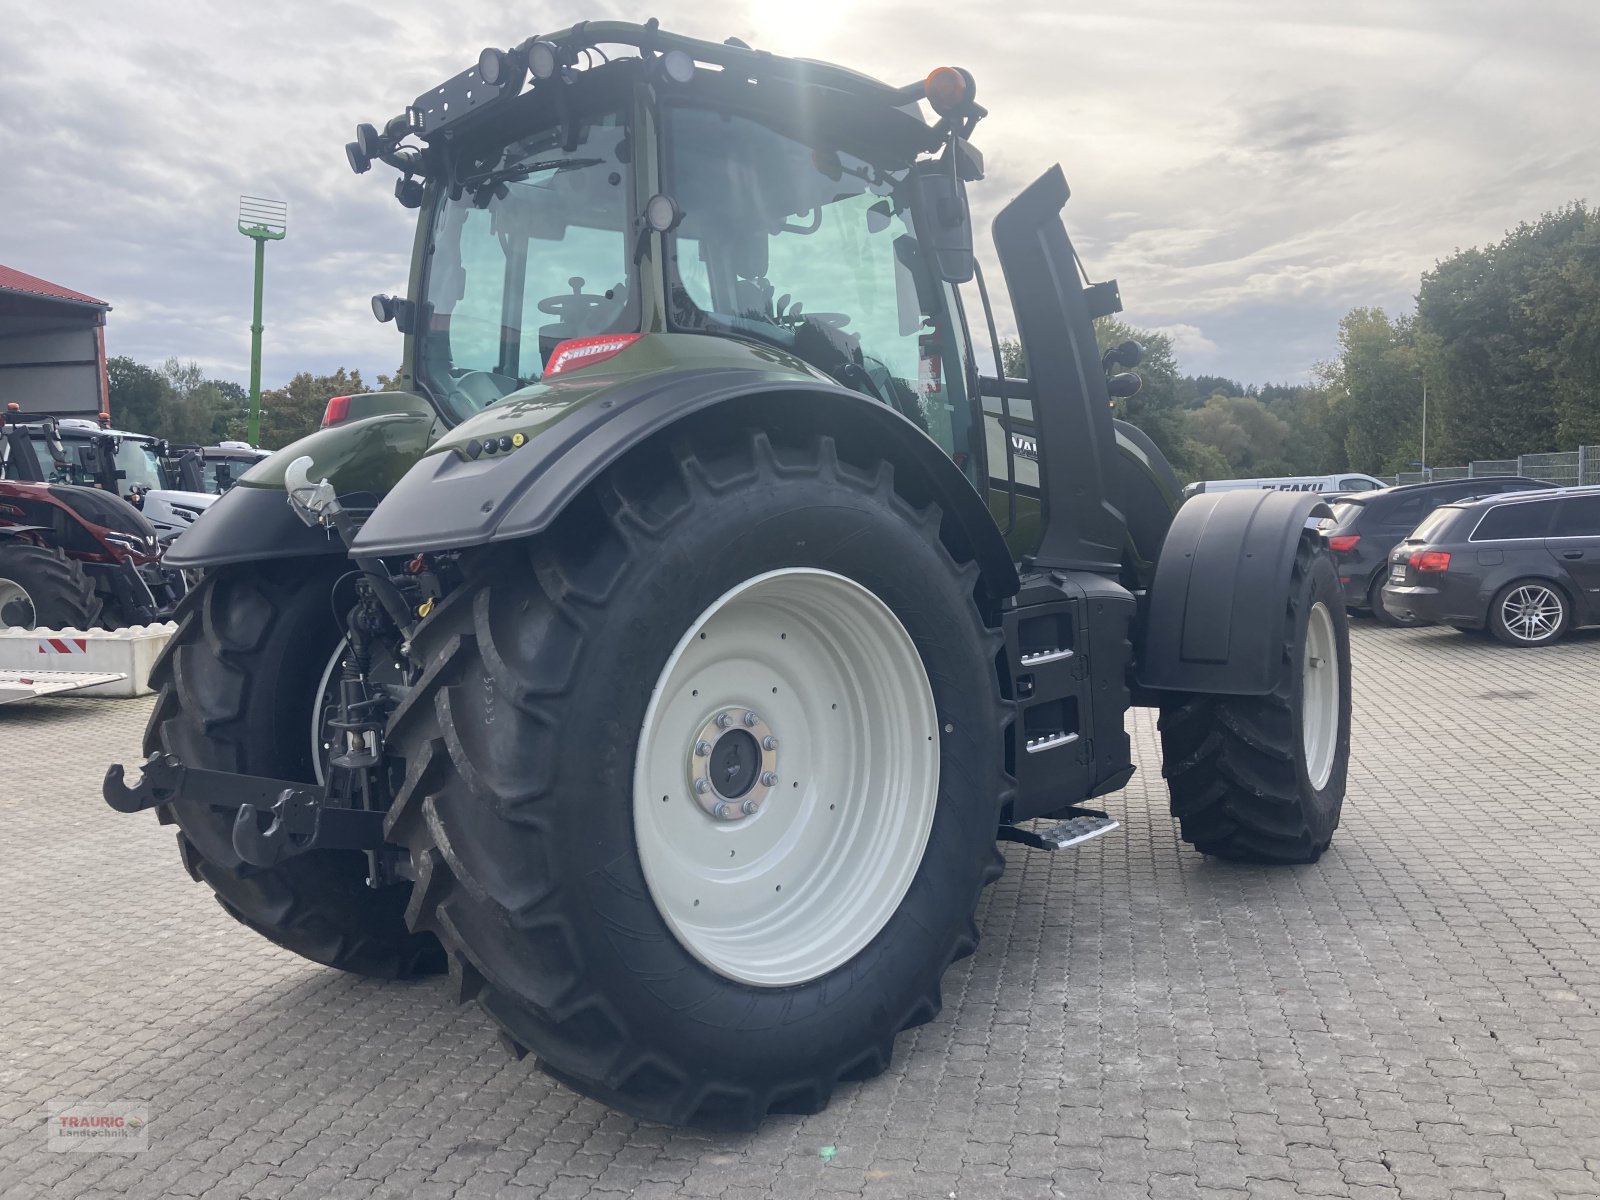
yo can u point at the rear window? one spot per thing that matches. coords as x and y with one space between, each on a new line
1578 516
1409 511
1344 514
1433 525
1508 521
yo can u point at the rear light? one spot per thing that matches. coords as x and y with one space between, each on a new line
586 351
1344 542
338 410
1430 560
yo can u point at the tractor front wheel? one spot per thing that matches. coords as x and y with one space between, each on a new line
702 785
41 588
241 685
1262 778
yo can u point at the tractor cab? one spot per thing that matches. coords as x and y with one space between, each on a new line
630 209
135 467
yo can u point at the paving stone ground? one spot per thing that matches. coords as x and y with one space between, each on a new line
1414 1017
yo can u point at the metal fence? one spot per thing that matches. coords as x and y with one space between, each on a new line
1565 468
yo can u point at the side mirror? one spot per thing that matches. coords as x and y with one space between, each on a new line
1128 355
944 224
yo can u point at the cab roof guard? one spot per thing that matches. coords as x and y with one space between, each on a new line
498 76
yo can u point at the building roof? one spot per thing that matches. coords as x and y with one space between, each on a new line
23 284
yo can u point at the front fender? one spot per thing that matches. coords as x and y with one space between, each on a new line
1214 619
450 501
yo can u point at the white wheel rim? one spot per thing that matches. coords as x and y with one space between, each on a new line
1319 696
16 606
1531 612
798 886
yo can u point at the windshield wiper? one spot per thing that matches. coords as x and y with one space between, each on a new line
489 179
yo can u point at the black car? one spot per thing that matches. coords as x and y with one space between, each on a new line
1368 525
1525 567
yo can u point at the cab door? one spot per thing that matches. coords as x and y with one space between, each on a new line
1574 542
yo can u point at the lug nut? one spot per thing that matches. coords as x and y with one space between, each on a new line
769 779
748 807
702 786
750 718
769 742
702 748
721 810
723 720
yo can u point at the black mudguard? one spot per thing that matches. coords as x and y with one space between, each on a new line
1214 620
248 524
450 502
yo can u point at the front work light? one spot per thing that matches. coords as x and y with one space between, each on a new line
544 60
491 66
949 90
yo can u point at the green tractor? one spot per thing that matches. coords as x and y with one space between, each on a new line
667 660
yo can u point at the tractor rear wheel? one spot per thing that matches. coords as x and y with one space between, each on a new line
41 588
1262 778
239 683
702 784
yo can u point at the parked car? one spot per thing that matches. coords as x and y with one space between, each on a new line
1366 527
1524 566
1326 485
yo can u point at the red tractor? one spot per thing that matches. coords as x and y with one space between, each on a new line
73 557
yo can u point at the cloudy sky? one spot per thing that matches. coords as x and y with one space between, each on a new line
1248 169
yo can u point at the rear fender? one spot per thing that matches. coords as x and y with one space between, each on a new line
450 501
1215 611
363 459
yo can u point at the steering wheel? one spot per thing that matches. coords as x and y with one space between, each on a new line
475 390
574 305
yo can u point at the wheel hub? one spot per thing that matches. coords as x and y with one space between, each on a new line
733 763
16 606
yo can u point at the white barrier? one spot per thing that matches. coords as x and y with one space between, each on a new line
128 652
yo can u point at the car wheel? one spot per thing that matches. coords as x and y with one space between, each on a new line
1529 612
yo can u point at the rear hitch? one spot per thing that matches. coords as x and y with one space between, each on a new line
166 780
299 823
299 819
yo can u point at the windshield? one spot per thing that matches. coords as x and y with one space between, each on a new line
136 461
812 249
532 249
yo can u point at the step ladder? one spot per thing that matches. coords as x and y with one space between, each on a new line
1084 825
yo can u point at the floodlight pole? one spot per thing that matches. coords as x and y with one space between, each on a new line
261 221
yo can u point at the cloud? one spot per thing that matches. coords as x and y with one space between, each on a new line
1243 167
1192 347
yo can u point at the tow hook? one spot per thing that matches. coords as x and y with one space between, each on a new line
299 818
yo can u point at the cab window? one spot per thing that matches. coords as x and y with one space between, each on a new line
792 240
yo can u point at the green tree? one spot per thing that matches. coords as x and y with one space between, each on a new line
1376 382
294 410
137 394
1249 439
1499 327
1566 299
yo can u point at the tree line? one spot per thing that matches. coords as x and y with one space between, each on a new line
178 402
